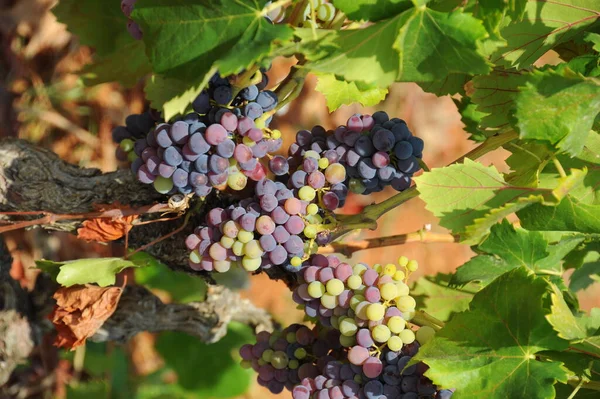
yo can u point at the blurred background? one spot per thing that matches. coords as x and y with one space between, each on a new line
43 100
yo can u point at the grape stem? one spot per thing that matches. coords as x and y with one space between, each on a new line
243 80
422 318
288 90
368 217
379 242
579 382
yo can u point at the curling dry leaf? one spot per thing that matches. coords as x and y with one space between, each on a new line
80 311
106 229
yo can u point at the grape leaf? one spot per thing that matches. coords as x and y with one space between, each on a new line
494 95
466 195
434 296
527 161
339 92
208 370
489 350
570 214
100 271
471 118
545 24
587 273
507 248
570 327
418 45
184 40
558 107
594 39
118 56
450 84
371 10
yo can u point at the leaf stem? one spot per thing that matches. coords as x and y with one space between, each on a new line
422 318
579 382
559 167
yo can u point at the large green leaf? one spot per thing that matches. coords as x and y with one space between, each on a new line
507 248
434 296
469 198
419 45
185 39
527 161
558 107
339 92
118 56
545 24
101 271
372 10
489 351
209 371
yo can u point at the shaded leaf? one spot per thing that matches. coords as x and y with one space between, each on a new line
173 95
372 10
434 296
489 350
527 160
80 311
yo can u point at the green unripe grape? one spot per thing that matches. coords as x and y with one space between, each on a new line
274 337
356 186
261 362
310 231
296 261
316 289
293 364
361 310
347 342
403 261
335 322
238 248
307 193
300 353
335 287
375 312
359 269
326 12
407 336
251 264
396 324
425 334
389 269
394 343
403 289
412 265
323 163
275 134
381 333
348 327
227 242
388 291
237 181
399 275
163 185
245 236
377 268
280 360
329 301
290 337
253 250
132 156
246 364
222 266
195 257
406 303
312 209
354 282
312 154
248 141
126 145
355 301
267 355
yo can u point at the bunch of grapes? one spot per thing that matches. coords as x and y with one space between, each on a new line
252 101
132 27
377 152
136 127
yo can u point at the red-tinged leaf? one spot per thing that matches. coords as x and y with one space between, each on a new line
105 229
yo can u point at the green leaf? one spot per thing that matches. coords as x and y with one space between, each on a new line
451 84
507 248
489 351
469 198
434 296
494 95
558 107
589 270
101 271
371 10
339 92
471 118
429 45
118 56
113 67
570 327
594 39
88 390
544 25
527 161
172 95
156 275
185 39
209 371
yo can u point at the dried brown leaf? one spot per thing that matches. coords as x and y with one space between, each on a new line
80 311
105 229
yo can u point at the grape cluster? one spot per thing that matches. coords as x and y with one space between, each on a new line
252 101
362 341
377 152
132 27
323 12
190 157
136 127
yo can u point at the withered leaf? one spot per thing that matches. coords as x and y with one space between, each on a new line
80 310
105 229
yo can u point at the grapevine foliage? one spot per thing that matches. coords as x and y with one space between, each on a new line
505 324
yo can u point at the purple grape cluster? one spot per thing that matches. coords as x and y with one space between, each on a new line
252 102
132 27
377 152
137 126
189 156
